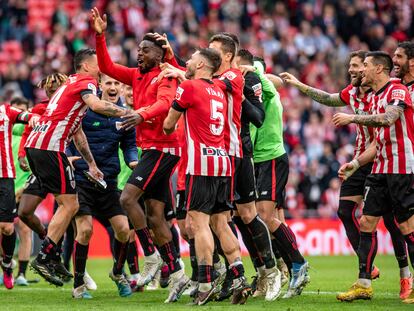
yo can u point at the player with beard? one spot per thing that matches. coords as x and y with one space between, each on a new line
389 185
208 170
151 177
352 189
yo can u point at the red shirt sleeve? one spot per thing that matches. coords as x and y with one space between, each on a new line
165 95
173 62
345 96
38 109
108 67
399 96
184 95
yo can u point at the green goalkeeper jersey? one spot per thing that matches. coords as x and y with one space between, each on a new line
125 170
268 139
21 176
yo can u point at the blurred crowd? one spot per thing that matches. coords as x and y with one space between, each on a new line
309 38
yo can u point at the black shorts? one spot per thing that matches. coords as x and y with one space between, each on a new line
389 192
243 180
33 187
180 210
271 180
207 194
102 204
53 171
152 174
8 210
355 184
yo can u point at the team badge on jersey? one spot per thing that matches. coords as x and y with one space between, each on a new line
229 75
92 87
179 93
398 95
257 88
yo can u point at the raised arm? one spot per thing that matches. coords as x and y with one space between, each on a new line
106 65
322 97
103 107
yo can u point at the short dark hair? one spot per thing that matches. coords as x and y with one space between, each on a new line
261 60
246 56
381 58
408 47
20 100
227 43
159 43
233 36
360 54
81 56
213 57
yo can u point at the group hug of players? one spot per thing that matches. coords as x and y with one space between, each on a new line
217 122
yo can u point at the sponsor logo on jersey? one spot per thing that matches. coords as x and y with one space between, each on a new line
96 123
179 93
139 178
210 151
40 128
398 95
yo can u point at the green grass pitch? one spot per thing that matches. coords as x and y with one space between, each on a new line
329 275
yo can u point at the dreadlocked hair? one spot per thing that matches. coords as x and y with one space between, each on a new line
52 82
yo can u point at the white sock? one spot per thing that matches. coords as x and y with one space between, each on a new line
364 282
204 287
405 272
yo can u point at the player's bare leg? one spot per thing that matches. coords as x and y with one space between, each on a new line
27 206
152 262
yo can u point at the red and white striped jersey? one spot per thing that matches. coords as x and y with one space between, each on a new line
8 117
360 106
395 144
232 82
63 115
205 111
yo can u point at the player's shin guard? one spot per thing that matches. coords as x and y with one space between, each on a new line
170 257
8 243
398 240
132 257
121 250
261 239
287 242
176 239
367 251
193 260
145 239
346 213
409 239
80 255
248 241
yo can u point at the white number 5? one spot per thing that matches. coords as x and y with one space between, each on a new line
217 115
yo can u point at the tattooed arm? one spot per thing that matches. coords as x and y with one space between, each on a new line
327 99
392 114
103 107
81 143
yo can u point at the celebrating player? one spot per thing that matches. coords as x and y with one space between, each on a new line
388 187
